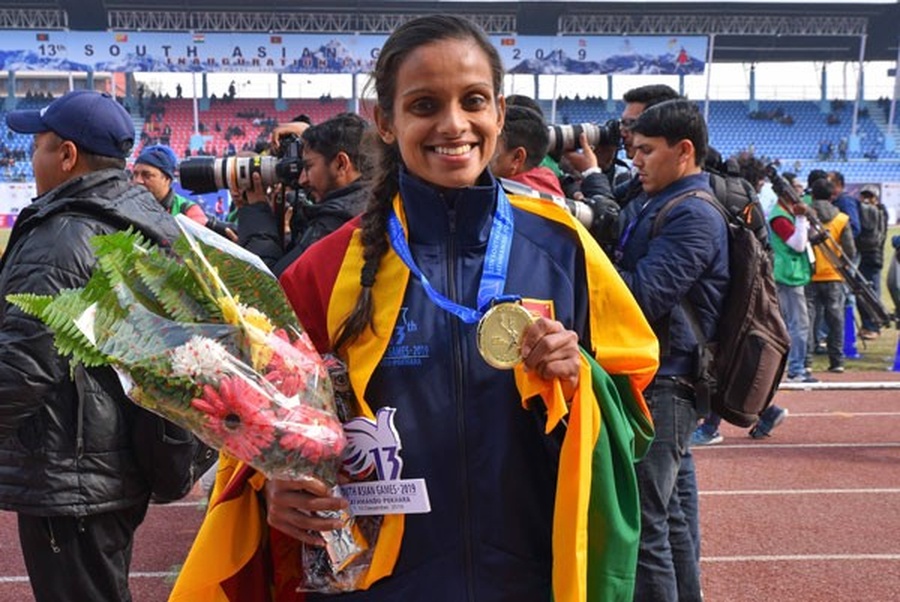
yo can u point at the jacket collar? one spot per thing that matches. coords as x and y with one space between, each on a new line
351 188
433 213
167 200
50 201
108 195
692 182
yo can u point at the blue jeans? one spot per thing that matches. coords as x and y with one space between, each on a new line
667 569
792 300
690 503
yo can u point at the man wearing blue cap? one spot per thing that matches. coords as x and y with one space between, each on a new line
154 169
69 464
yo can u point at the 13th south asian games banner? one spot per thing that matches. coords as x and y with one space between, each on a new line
30 50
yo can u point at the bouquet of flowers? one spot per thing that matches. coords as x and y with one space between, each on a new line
203 335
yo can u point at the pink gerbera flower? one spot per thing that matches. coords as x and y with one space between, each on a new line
292 364
240 415
315 434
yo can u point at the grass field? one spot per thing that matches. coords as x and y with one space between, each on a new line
876 355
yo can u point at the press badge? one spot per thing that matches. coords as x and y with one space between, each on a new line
373 448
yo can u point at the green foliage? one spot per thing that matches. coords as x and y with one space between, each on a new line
146 301
175 393
60 314
265 294
118 256
33 305
175 288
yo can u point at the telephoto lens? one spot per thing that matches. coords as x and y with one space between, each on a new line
565 138
209 174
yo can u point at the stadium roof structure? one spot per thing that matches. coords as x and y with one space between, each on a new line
742 31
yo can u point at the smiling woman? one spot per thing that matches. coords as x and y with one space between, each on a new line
447 116
402 295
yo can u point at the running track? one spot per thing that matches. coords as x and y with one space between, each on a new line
811 514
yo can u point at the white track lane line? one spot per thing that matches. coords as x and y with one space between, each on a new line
763 444
842 414
802 558
865 491
131 575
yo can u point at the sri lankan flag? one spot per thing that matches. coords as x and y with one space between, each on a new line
596 522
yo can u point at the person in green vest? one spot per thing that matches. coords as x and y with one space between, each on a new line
792 272
154 169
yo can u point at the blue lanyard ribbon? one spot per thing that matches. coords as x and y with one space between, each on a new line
496 263
628 231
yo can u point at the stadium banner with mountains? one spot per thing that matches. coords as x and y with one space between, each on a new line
127 51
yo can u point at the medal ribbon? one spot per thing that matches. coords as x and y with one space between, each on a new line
496 263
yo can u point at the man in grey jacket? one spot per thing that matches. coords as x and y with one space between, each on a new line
69 466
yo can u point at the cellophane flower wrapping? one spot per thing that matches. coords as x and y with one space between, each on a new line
203 335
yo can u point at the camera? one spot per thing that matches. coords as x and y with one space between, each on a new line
208 174
565 138
599 213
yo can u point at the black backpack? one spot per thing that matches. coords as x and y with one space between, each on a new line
738 196
872 229
739 372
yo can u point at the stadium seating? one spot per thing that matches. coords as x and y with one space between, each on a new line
222 115
731 130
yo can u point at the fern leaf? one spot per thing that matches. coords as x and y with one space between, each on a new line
60 315
31 304
252 286
175 288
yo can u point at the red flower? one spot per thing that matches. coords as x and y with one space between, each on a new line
240 415
317 435
293 364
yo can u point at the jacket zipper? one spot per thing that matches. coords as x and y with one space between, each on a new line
79 428
460 405
53 546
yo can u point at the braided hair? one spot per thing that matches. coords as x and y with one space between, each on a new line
385 183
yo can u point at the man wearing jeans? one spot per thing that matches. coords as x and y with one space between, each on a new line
792 272
684 259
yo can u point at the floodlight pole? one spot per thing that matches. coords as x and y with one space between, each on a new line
854 137
194 103
555 94
892 114
709 58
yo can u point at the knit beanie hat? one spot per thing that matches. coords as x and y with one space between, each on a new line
160 156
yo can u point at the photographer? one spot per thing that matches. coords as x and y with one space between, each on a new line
525 145
330 174
521 148
332 177
683 260
154 169
257 224
637 100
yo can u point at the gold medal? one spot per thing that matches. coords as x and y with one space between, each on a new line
500 333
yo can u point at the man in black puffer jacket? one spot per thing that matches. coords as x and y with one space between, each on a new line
68 464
